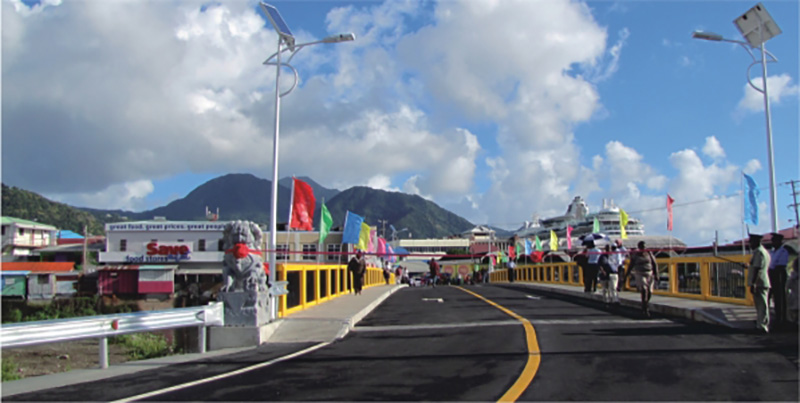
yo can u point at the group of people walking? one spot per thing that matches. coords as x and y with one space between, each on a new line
607 266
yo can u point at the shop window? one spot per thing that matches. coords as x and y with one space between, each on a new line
333 252
281 252
201 245
22 231
123 245
309 251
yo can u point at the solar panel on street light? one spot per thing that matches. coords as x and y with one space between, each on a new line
279 24
754 20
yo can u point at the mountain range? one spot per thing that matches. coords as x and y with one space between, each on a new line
246 197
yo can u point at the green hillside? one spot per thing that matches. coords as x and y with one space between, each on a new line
27 205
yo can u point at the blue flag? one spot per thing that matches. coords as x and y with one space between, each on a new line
750 200
528 246
352 228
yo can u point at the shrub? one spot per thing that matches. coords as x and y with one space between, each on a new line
14 316
10 372
141 346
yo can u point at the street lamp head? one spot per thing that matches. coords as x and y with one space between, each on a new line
709 36
340 38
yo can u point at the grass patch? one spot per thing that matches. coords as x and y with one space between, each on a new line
10 370
142 346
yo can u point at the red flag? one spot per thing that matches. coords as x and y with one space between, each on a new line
303 202
670 200
512 253
569 237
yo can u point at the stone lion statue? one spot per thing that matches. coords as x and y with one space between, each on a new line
243 269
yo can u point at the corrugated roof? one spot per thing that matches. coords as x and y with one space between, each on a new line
38 267
67 234
13 220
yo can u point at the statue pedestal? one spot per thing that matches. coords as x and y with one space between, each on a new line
240 336
245 308
246 320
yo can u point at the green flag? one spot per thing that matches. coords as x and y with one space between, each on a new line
325 223
596 226
538 244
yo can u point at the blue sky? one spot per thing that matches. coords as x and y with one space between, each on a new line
495 110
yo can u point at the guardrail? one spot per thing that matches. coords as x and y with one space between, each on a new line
312 284
104 326
703 278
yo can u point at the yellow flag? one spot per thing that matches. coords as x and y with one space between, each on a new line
553 240
363 237
623 221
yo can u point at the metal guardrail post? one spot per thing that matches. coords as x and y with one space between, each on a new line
103 358
202 339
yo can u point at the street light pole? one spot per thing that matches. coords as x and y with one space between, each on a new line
285 37
757 26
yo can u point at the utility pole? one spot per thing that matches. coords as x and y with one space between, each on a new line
383 230
85 247
795 205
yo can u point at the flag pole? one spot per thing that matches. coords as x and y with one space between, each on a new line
289 255
741 180
319 248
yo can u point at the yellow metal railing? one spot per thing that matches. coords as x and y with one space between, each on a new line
312 284
705 278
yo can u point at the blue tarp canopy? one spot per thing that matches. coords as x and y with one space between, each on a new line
67 234
400 250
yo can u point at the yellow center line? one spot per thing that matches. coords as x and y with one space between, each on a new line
534 355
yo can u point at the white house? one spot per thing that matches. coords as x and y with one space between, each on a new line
21 237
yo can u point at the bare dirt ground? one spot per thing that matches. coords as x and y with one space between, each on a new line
62 357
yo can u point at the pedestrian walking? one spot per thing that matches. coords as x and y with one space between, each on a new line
386 272
778 275
433 268
609 276
793 293
758 281
593 266
618 256
512 274
582 260
643 267
357 266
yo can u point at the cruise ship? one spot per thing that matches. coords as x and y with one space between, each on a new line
582 222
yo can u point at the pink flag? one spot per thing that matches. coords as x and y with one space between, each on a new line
381 247
569 237
670 200
371 247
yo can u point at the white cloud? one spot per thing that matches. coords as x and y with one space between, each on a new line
713 149
129 196
779 87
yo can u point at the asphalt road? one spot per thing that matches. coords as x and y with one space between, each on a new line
448 344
